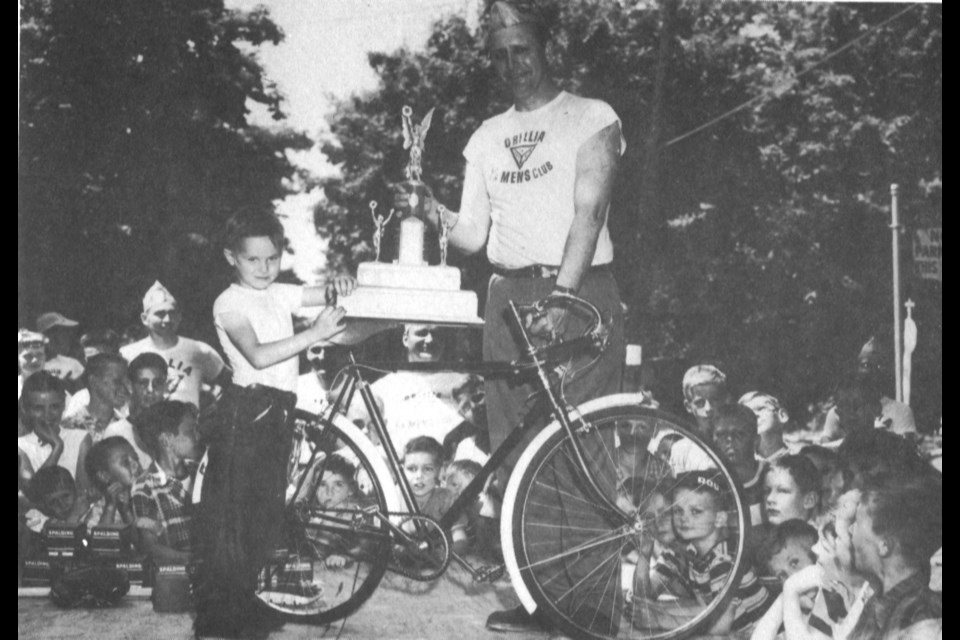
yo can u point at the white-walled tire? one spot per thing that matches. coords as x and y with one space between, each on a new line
568 555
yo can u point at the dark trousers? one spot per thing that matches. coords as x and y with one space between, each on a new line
239 519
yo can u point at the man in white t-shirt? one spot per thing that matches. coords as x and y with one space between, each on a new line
419 403
536 194
190 363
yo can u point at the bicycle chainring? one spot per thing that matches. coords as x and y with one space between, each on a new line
426 556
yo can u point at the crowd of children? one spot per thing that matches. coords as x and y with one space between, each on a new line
847 526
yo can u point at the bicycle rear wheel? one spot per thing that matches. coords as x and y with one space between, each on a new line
331 558
575 559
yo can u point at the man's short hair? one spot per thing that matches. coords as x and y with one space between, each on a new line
502 14
98 365
869 457
148 360
163 417
252 223
910 512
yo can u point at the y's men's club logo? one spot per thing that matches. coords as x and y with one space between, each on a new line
522 145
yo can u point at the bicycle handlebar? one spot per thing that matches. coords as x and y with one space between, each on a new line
593 337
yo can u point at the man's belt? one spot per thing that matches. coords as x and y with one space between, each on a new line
537 271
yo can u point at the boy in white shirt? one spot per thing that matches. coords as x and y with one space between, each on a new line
249 434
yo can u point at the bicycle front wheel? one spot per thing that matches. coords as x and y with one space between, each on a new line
334 551
627 566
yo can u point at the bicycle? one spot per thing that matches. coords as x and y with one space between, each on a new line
571 519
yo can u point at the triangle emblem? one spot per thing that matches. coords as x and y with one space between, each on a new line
521 153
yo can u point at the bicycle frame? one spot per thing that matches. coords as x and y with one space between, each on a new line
550 402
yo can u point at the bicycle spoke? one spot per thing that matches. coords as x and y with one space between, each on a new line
585 546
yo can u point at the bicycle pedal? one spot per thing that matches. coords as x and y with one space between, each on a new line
490 573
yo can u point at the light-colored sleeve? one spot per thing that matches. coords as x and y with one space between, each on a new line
289 296
210 361
598 116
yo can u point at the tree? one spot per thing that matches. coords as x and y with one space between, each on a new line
767 248
134 146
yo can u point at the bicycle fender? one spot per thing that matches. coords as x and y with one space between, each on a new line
513 487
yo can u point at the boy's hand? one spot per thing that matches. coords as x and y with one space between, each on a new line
806 579
342 285
48 435
328 323
117 493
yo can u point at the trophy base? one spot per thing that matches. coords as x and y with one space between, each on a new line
403 276
429 306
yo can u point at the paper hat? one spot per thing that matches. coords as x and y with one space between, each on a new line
53 319
157 294
516 12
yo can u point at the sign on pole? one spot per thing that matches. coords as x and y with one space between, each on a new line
928 253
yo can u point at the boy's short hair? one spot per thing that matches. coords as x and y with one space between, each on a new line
471 386
802 470
252 223
163 417
704 482
425 444
98 456
42 382
470 467
737 413
778 537
148 360
758 398
98 365
337 464
47 480
911 512
702 374
106 338
825 460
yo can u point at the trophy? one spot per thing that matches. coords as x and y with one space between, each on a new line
379 224
411 226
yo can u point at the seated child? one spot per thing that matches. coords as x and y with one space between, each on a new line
161 496
55 498
704 392
422 462
113 466
772 418
792 490
827 463
699 521
482 524
787 549
337 490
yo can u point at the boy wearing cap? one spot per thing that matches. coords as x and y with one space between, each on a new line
31 355
60 331
190 363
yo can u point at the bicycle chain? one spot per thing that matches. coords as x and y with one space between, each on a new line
432 529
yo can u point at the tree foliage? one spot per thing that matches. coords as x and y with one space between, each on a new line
763 244
134 146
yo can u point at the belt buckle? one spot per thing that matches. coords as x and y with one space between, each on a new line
544 271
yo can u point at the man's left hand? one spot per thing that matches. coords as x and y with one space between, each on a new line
549 325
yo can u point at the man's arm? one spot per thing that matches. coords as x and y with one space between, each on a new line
597 162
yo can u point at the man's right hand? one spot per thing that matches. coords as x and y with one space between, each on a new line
402 193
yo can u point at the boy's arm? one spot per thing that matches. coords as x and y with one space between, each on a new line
769 625
262 355
157 551
794 620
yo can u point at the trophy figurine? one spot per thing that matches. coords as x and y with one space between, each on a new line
444 234
412 227
379 224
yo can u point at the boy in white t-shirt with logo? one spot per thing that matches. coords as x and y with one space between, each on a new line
190 363
249 433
